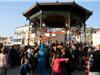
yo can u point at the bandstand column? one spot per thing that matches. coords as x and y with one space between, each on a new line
84 29
80 34
69 26
40 33
29 33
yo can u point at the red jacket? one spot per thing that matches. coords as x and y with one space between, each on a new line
56 64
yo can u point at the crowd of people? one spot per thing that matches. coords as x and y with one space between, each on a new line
52 58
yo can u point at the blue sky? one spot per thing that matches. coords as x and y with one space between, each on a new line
11 13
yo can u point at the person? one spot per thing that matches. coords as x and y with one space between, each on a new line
25 65
41 55
33 61
29 51
94 62
3 61
90 51
56 68
67 67
13 57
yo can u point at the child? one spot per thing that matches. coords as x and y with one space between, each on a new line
56 68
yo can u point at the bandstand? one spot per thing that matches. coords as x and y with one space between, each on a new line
69 16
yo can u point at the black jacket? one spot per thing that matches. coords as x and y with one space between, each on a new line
95 64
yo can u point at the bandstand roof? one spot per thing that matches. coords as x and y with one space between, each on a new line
58 6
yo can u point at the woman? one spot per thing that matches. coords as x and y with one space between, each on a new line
3 61
41 55
56 67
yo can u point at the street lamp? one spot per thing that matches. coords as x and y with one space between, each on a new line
43 25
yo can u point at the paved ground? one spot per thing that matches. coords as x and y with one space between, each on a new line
78 73
16 72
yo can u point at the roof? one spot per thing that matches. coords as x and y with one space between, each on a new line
22 26
58 6
97 29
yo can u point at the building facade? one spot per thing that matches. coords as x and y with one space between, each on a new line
7 41
96 36
23 35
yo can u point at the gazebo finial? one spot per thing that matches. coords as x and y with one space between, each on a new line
74 1
57 1
37 2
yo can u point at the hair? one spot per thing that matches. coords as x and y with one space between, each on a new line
1 45
56 54
4 50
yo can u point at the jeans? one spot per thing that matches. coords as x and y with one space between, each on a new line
24 69
3 71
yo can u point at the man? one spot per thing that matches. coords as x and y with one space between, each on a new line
94 62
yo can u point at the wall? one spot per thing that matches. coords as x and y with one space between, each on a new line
96 38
